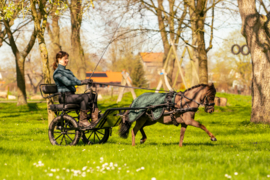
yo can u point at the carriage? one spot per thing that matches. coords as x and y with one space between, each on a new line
64 129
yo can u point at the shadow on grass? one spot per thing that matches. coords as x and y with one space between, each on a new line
102 106
10 116
33 106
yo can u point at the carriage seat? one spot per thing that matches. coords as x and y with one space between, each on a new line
52 89
59 107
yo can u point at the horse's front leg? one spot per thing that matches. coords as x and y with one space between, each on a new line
139 124
143 136
194 123
183 130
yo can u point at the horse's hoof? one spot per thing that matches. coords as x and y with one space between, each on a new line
213 139
142 141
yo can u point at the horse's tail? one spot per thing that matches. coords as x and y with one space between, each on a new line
124 127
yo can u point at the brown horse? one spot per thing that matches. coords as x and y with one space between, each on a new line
191 98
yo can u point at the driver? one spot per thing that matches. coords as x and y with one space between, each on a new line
65 81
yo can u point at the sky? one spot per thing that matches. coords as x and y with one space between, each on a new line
97 36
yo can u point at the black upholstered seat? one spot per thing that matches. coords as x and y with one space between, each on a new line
59 107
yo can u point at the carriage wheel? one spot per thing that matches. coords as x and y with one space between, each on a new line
95 136
64 132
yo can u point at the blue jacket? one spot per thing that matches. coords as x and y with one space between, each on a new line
65 79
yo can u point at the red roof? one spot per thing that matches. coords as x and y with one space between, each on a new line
105 77
151 57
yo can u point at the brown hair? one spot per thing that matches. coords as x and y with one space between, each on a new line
59 55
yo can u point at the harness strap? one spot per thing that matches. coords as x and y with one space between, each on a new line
170 104
174 120
149 115
183 96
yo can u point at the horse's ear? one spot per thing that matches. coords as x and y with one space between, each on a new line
211 84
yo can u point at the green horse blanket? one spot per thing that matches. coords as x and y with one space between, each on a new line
148 99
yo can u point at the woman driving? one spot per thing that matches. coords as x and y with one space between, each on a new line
65 81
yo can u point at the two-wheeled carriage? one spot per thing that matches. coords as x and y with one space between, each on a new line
64 129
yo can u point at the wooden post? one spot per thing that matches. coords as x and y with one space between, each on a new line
125 81
166 80
127 77
121 91
167 59
160 83
181 60
159 86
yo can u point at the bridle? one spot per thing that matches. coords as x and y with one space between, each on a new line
205 99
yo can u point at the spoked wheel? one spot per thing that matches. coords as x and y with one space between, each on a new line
95 136
64 132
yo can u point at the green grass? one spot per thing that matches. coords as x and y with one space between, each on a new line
242 147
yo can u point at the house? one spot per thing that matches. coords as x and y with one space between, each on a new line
152 64
105 77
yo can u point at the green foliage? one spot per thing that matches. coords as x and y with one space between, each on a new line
242 147
8 9
137 76
131 64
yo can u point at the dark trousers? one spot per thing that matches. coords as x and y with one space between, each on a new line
71 98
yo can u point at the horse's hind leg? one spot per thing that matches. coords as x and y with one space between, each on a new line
147 123
197 124
183 130
139 124
143 136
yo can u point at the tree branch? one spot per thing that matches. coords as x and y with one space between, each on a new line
6 42
10 37
264 7
30 43
214 4
180 22
147 6
189 5
212 28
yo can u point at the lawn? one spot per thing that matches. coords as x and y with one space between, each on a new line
241 152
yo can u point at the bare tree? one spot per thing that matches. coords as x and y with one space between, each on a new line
170 20
77 60
8 18
256 30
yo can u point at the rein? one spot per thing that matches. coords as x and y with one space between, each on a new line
110 84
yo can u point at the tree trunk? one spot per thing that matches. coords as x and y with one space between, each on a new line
203 69
46 74
54 34
40 22
77 60
194 51
202 54
20 59
21 91
256 30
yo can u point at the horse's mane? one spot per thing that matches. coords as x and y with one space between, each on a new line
195 87
211 90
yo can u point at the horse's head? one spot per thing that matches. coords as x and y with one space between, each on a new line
208 98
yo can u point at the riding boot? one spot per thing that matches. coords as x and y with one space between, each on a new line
83 122
95 116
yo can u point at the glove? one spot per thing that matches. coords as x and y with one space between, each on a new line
86 81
